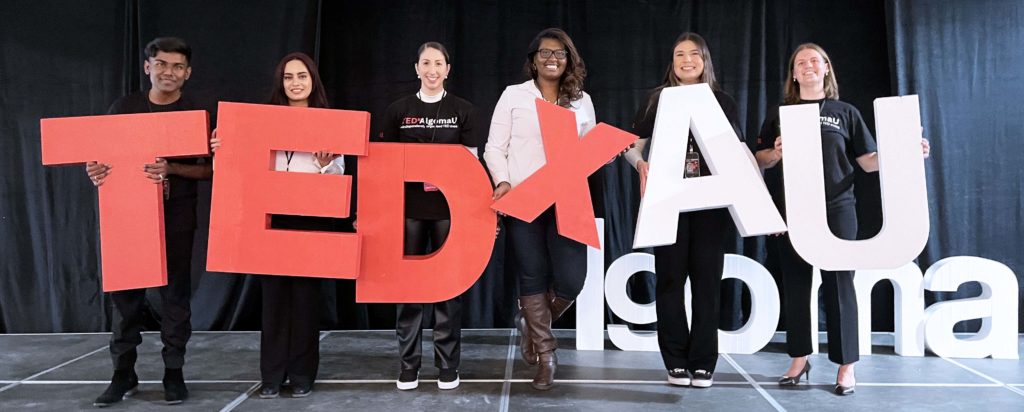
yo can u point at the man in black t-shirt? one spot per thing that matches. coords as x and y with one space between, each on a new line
168 66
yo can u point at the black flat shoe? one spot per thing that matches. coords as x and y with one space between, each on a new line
269 391
795 380
302 391
844 390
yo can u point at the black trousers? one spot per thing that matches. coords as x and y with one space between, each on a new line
175 312
290 340
698 254
837 293
546 259
419 234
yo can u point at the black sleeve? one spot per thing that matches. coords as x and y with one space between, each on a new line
389 128
643 122
117 107
732 113
769 131
211 106
860 136
468 135
202 102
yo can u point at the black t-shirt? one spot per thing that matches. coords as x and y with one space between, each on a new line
448 121
844 138
181 193
643 125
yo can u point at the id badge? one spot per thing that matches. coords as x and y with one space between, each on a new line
427 187
692 166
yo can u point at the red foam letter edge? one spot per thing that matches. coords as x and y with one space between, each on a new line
246 190
562 180
386 274
131 205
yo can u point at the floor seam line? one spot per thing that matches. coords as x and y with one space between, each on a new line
66 363
241 398
984 376
506 387
768 397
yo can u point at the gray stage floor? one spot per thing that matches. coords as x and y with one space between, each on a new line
62 372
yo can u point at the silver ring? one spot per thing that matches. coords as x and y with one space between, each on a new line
162 177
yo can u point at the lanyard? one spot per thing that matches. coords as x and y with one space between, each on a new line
288 159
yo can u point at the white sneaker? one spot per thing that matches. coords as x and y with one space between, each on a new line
701 379
448 379
679 377
409 379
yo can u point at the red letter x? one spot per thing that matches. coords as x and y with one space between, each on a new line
562 180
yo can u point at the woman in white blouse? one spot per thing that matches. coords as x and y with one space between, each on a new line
290 344
552 267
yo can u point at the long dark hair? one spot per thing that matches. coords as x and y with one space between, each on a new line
670 79
791 92
317 96
570 86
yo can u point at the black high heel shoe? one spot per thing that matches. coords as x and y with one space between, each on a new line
795 380
844 390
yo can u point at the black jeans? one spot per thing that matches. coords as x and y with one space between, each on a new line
419 234
837 294
175 313
290 338
698 254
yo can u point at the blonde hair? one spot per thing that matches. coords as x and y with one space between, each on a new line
791 93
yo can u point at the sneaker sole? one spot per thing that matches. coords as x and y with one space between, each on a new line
448 385
701 383
301 395
406 386
274 396
679 381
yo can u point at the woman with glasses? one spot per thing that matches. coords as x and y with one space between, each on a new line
552 267
690 353
432 115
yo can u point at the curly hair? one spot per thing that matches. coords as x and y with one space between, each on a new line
570 86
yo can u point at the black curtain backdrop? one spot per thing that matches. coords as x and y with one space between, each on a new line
68 59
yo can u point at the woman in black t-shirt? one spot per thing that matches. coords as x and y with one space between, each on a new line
846 142
690 353
432 115
811 79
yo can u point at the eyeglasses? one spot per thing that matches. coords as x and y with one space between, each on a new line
161 66
547 53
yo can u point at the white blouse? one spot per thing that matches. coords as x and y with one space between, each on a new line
305 162
514 148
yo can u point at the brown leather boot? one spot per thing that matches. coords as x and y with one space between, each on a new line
537 312
525 343
545 377
558 307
